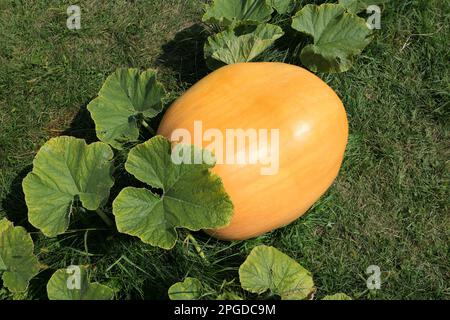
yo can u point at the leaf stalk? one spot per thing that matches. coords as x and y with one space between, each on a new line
104 217
197 247
147 126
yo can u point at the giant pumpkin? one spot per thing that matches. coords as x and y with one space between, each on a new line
312 136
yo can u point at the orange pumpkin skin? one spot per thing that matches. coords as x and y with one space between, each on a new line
313 133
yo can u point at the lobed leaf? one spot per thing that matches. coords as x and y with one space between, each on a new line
267 268
17 260
65 169
282 6
189 289
192 197
230 46
126 98
228 12
73 284
338 37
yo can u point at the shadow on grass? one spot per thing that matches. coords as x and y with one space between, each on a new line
13 203
184 54
82 126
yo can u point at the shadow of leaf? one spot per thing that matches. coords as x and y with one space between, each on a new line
184 54
82 126
14 202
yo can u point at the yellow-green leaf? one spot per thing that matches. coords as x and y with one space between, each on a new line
337 296
267 268
126 99
241 44
338 37
65 169
189 289
17 260
192 197
227 12
73 284
282 6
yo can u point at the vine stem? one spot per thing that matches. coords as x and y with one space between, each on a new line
197 247
147 126
104 217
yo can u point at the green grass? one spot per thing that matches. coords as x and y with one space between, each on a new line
389 206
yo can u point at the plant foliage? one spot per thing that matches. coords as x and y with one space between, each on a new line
236 45
17 260
72 283
244 29
267 268
65 170
126 100
192 197
189 289
338 37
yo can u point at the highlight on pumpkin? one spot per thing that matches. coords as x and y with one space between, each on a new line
249 146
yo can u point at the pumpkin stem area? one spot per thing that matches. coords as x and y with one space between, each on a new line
105 218
147 126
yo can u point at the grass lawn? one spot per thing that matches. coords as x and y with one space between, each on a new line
389 206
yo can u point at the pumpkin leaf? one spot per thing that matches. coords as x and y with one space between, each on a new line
357 6
189 289
227 12
126 99
337 296
267 268
65 169
17 261
73 284
192 197
240 44
282 6
338 37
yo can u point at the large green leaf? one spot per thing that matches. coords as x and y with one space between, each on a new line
227 12
192 197
282 6
189 289
73 284
17 261
338 37
357 6
231 46
267 268
126 98
66 169
337 296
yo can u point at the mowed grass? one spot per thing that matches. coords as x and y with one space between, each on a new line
389 206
